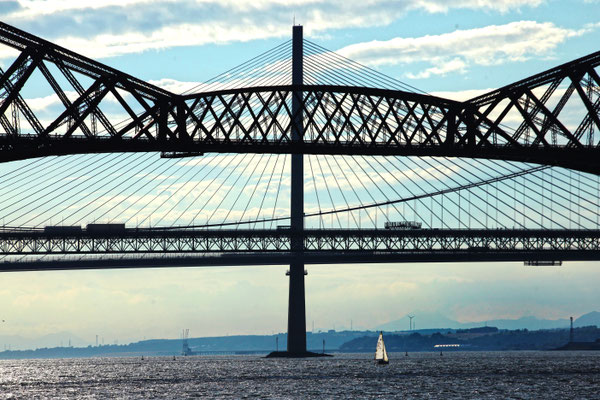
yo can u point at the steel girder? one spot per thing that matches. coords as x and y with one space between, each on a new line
34 250
337 119
134 241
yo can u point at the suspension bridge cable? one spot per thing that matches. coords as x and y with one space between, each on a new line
578 202
252 63
379 79
388 201
405 199
449 176
589 194
34 179
514 220
328 191
376 75
170 196
315 186
351 187
529 197
78 200
254 73
277 195
231 159
414 209
219 187
340 189
266 190
368 175
95 200
57 195
233 185
24 169
128 187
434 198
344 72
166 176
360 181
364 70
524 214
21 194
251 197
442 171
490 180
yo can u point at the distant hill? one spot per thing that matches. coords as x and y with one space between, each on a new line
531 323
422 320
242 344
16 342
425 320
491 341
591 318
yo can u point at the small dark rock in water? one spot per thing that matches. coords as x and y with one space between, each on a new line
285 354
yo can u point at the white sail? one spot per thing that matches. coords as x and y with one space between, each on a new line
380 353
385 357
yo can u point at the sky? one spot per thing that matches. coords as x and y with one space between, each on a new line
454 49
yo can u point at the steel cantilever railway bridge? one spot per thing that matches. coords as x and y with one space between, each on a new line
293 105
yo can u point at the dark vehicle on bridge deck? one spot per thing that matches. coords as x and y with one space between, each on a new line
402 225
105 228
63 230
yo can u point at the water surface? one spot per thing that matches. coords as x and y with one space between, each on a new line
460 375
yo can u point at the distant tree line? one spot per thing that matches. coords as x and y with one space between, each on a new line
489 339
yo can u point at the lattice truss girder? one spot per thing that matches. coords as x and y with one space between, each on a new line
315 241
332 115
560 107
549 118
82 86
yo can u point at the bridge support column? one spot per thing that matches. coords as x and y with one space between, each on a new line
296 307
296 336
296 340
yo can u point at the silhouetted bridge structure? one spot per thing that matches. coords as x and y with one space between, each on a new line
300 108
321 246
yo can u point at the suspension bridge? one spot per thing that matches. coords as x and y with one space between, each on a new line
297 156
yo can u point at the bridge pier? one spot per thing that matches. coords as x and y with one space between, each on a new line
296 339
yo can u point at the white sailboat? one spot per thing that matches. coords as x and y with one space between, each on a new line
380 354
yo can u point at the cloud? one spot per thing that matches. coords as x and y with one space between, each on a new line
461 95
175 86
456 51
454 65
108 28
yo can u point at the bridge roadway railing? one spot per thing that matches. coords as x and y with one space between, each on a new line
150 247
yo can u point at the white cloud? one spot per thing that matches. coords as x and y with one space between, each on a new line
454 65
456 51
110 45
107 28
461 95
175 86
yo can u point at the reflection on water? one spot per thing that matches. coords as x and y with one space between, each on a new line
503 375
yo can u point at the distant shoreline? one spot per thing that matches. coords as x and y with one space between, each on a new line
474 339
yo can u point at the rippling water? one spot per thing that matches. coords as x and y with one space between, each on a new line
502 375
